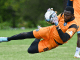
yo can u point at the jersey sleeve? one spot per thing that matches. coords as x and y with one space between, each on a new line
71 31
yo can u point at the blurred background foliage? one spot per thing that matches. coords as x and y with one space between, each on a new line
26 13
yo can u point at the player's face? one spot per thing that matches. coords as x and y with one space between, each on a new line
67 15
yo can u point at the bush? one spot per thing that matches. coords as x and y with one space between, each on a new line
5 25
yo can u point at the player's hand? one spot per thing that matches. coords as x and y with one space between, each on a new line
51 16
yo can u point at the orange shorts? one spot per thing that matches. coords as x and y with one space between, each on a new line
47 43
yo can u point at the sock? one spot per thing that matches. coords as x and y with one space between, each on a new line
77 51
3 39
20 36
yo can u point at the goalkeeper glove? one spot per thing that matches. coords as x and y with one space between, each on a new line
51 16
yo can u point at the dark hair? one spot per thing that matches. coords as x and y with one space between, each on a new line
69 8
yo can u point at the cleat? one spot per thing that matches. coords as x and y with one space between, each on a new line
78 56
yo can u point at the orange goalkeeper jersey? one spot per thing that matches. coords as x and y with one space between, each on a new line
50 36
51 31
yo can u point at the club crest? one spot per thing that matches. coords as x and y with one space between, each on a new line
65 24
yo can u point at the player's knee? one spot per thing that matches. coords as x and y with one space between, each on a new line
30 50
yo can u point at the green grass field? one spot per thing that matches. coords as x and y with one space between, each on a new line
17 50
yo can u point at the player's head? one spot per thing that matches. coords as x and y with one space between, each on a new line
68 13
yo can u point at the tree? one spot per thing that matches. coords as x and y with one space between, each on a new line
27 12
65 3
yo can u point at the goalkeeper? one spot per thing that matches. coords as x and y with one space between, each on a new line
53 36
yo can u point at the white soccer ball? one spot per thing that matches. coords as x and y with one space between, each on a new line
50 15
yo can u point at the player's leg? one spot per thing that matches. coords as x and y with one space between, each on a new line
34 46
18 36
38 33
41 46
78 46
78 39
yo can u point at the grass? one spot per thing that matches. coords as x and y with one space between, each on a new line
17 50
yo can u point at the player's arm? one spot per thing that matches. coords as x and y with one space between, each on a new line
69 33
70 3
